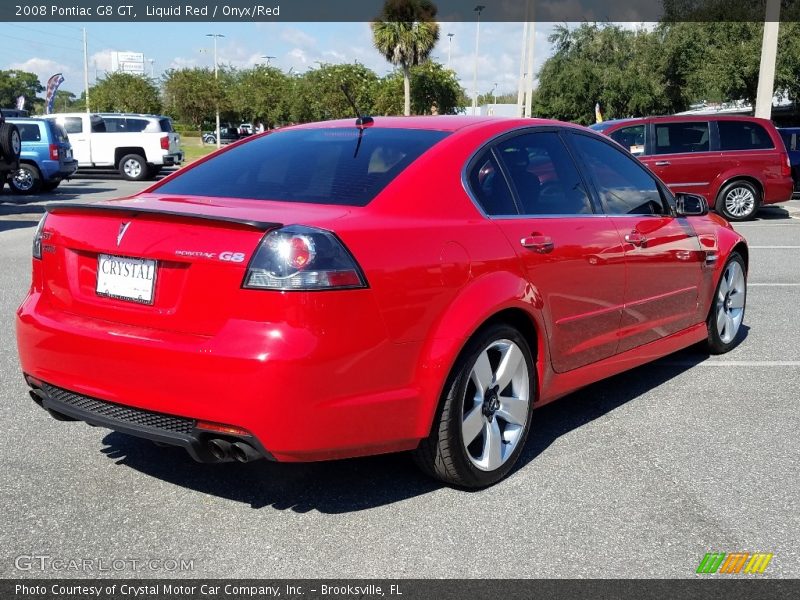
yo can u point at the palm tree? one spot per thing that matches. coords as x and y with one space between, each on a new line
405 33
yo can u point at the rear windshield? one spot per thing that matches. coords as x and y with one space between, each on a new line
319 166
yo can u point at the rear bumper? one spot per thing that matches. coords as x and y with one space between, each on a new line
53 170
173 159
165 429
335 388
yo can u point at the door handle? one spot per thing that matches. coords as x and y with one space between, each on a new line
663 163
636 238
538 243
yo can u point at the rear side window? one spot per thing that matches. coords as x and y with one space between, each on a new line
135 125
114 125
59 133
631 138
165 124
544 175
490 189
72 124
625 187
676 138
98 125
29 132
743 135
319 166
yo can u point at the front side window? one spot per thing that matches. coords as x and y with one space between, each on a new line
72 124
743 135
678 138
631 138
544 175
623 184
320 166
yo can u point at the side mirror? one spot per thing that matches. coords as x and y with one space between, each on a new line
690 205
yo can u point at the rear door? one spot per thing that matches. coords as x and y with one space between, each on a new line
684 155
572 257
663 259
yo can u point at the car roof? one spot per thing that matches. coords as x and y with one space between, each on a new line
26 120
434 122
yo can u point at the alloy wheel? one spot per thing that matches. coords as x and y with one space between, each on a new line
730 302
740 202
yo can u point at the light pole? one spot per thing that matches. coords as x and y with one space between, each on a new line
216 77
769 52
152 62
449 47
269 58
494 98
478 9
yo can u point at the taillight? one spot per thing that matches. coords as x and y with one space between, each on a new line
302 258
786 165
53 152
37 238
165 142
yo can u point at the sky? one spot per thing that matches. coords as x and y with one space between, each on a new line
48 48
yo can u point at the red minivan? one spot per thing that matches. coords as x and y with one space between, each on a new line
737 163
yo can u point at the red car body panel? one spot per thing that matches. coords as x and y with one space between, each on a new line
706 173
329 374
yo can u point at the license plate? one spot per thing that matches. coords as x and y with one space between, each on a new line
131 279
68 153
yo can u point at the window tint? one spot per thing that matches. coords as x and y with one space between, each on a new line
490 189
544 175
743 135
674 138
321 166
29 132
135 125
72 124
166 124
631 138
789 140
59 132
98 125
114 124
625 187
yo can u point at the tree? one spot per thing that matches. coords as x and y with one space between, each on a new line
192 95
64 101
434 90
124 92
261 93
15 83
318 93
406 33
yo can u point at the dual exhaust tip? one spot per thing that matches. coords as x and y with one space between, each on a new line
223 450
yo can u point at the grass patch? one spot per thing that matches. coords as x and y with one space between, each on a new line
193 148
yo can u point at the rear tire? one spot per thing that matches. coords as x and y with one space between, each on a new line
10 142
133 167
738 201
485 413
726 315
25 180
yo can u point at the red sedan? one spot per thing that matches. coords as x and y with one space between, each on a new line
341 289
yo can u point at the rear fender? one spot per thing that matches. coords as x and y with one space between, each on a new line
476 304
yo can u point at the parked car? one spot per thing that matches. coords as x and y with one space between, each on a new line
737 163
10 147
337 289
227 135
136 154
46 157
790 137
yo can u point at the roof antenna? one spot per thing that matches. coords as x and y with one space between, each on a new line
362 120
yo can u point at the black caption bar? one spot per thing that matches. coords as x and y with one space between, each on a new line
368 10
399 589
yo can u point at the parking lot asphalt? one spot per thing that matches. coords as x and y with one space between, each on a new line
637 476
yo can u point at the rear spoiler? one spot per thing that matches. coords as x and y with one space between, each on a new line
68 206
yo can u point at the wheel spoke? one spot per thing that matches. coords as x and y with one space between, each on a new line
730 327
737 300
472 425
482 373
513 410
724 286
509 365
721 316
492 456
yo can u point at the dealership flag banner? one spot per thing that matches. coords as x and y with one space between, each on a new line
21 103
52 87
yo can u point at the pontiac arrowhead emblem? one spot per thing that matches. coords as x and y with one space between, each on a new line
122 229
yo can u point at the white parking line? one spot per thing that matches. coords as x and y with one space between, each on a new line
731 363
774 284
775 247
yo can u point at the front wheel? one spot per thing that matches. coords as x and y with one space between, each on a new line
485 414
26 180
738 201
133 167
727 308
